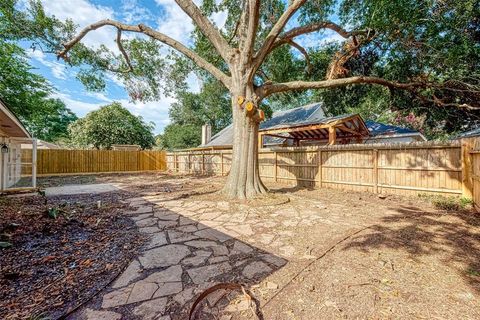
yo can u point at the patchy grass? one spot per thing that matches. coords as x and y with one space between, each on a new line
448 203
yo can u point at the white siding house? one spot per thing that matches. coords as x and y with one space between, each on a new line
14 165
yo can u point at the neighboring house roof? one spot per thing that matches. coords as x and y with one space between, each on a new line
312 112
10 125
128 147
381 129
309 114
468 134
222 138
41 145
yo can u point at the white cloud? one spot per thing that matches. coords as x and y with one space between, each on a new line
313 40
174 23
153 111
99 96
58 70
177 24
80 108
133 12
219 18
83 13
194 83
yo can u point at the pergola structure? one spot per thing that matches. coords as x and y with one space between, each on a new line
333 130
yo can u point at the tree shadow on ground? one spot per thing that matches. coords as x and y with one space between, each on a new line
192 246
454 236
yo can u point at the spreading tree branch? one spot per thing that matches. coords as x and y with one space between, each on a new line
201 62
314 27
122 50
269 89
304 52
207 28
251 29
275 32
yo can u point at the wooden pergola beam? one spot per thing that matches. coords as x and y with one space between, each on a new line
278 136
311 126
332 135
346 129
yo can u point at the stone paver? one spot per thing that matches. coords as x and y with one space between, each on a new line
200 257
256 268
131 273
167 289
116 298
204 274
142 291
151 309
171 274
157 239
102 315
164 256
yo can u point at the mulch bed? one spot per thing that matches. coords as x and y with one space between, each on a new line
59 258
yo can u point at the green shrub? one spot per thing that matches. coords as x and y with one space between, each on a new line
448 203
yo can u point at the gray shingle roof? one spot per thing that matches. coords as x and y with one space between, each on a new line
309 114
297 116
280 119
377 128
468 134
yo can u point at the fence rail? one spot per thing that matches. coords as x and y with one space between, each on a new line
380 168
53 162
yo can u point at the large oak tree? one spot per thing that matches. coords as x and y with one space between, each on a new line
234 56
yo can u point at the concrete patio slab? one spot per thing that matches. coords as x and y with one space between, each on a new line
80 189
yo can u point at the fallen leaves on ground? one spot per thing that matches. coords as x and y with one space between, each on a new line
49 264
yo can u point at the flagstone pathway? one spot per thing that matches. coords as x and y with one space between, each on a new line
194 245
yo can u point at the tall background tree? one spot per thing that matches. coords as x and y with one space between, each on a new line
109 125
259 58
28 96
192 110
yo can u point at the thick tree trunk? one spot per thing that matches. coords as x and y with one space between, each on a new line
244 178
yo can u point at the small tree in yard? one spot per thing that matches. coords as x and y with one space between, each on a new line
254 32
112 124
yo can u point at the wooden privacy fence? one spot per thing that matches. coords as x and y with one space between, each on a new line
381 168
60 161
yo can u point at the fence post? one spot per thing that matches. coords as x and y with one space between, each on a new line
175 162
375 170
221 163
34 163
320 171
276 166
467 167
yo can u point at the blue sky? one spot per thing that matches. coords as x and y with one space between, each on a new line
163 15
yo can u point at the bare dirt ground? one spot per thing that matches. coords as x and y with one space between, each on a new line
324 254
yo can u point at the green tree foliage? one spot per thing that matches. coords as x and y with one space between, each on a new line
176 136
415 41
111 124
192 110
50 120
27 95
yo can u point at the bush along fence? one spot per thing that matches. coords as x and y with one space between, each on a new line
407 169
62 161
